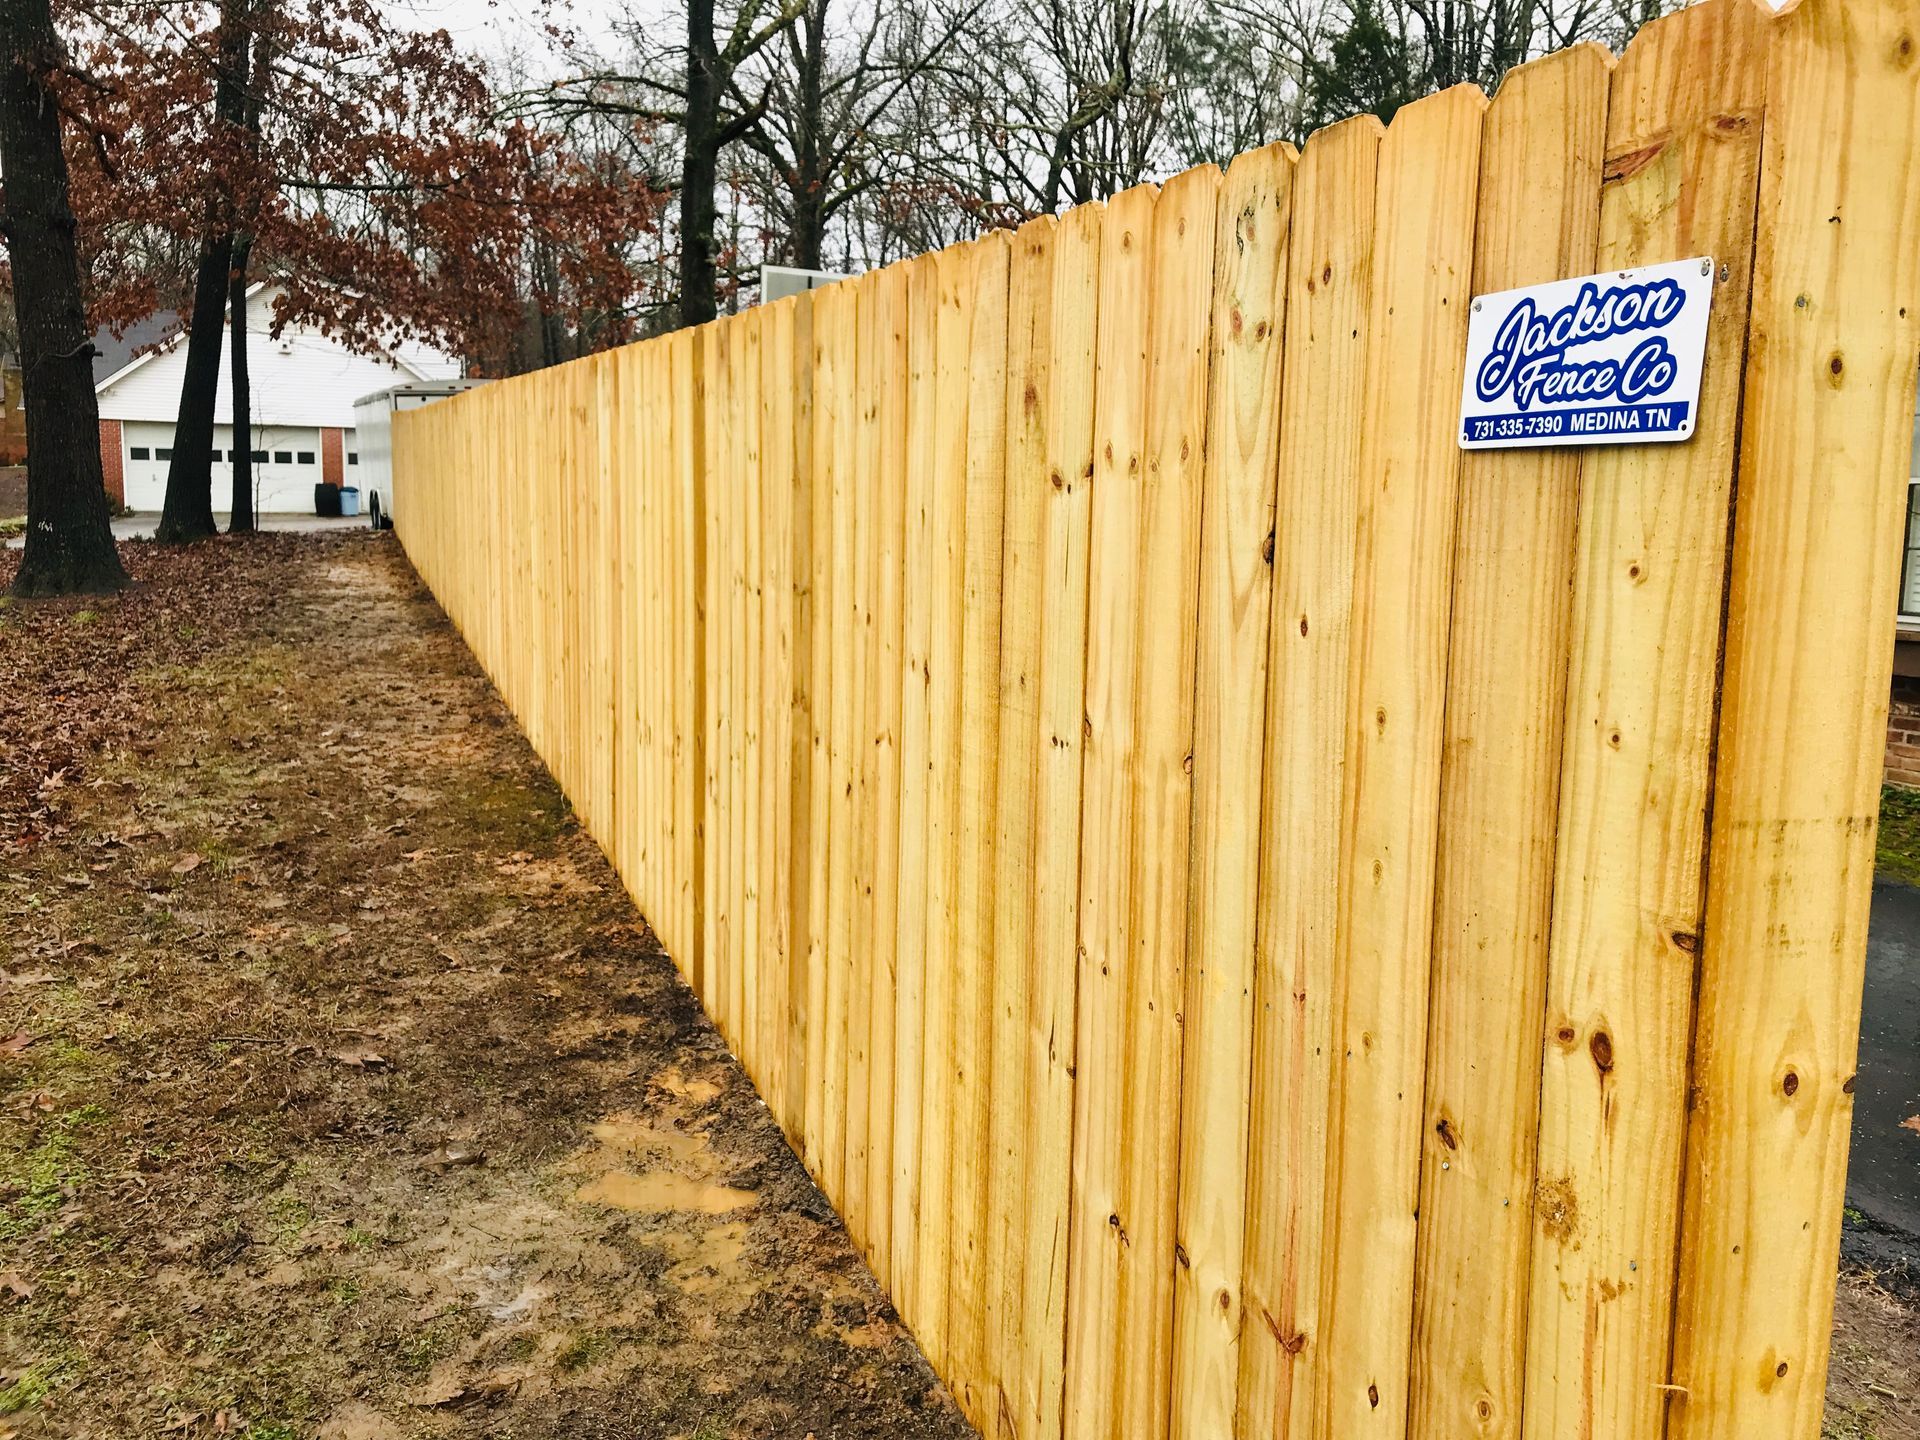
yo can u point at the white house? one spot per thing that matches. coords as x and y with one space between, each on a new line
304 385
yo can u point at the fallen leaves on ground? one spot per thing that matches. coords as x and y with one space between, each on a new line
69 668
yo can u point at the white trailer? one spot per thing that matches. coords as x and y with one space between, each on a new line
373 427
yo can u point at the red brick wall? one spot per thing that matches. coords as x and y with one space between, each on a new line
1903 733
112 458
13 420
333 456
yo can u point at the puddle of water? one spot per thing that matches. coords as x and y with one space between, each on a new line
676 1084
710 1264
659 1191
632 1134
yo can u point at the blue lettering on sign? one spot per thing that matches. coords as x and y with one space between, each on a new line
1529 355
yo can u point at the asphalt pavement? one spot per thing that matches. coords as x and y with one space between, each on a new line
1883 1175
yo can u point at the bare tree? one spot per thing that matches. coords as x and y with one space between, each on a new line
695 87
827 129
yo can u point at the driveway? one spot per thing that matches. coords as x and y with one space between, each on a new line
142 523
1883 1180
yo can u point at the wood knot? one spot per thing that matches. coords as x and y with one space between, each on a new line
1601 1045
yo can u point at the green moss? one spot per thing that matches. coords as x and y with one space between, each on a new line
424 1347
583 1349
505 810
520 1347
40 1178
40 1380
1899 849
289 1215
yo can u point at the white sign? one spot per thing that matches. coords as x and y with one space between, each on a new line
1609 359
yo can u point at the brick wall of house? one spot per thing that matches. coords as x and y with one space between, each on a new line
112 461
1903 732
333 453
13 419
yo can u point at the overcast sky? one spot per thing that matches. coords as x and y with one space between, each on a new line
498 28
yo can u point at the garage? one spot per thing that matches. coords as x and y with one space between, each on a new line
287 464
304 385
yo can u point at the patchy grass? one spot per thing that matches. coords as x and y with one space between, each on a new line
39 1179
1899 846
40 1382
583 1350
333 1007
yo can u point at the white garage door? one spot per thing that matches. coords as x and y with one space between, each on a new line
286 467
149 448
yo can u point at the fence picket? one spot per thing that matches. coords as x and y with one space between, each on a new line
1030 332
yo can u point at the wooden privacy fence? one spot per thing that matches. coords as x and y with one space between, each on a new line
1266 925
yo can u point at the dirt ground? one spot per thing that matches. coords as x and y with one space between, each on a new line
1873 1391
344 1095
342 1091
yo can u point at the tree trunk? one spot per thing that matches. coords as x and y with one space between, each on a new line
188 512
809 188
241 520
809 226
69 542
254 53
700 168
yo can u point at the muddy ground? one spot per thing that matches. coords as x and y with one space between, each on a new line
343 1093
